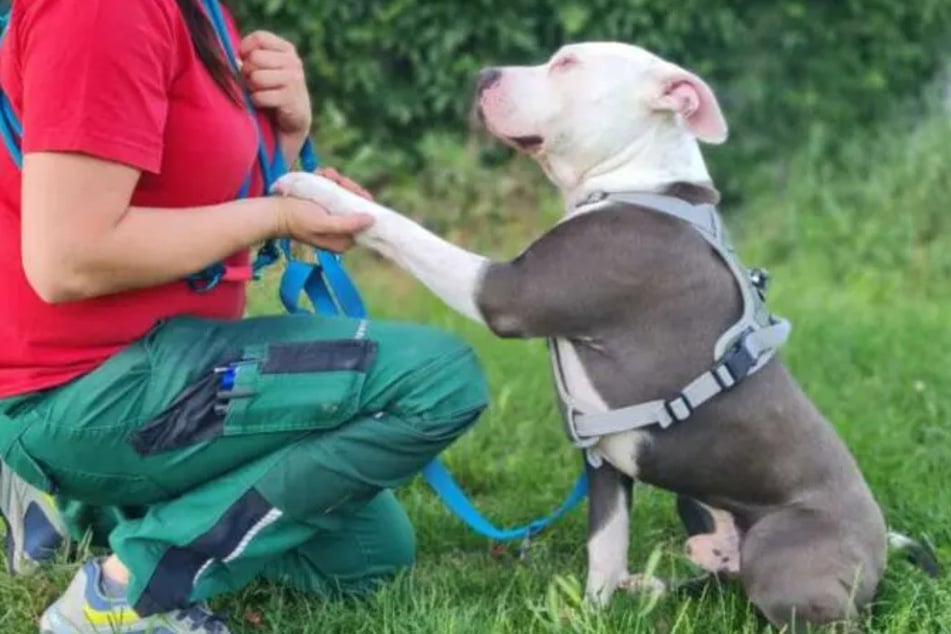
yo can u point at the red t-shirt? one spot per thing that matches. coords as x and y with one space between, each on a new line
119 80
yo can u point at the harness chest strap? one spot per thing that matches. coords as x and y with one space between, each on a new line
741 351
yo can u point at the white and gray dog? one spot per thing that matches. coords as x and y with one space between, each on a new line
635 300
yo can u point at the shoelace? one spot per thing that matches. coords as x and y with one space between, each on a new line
200 616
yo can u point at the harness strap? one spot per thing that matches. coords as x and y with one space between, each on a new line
701 217
741 351
751 354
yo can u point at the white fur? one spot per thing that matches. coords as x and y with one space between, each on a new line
620 450
601 131
708 550
607 554
596 117
453 274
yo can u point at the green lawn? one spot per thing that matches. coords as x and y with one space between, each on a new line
860 265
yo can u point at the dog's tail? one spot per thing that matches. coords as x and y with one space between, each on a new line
918 553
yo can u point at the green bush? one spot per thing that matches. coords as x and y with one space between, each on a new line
384 71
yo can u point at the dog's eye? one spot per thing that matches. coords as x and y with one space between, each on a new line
563 62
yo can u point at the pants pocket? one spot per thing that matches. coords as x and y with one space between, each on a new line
269 388
298 386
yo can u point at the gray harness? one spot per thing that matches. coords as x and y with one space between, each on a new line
741 351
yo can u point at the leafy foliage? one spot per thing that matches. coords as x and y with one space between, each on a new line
393 69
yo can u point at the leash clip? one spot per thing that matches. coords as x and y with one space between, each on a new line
737 362
759 277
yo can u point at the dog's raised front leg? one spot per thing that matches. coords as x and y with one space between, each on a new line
540 293
453 274
609 516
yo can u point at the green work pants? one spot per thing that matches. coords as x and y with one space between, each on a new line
213 452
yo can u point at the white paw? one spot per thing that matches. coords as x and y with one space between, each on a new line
643 584
600 587
323 191
718 553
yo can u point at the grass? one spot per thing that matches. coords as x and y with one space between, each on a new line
861 261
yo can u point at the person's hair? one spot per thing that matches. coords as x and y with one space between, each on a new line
208 48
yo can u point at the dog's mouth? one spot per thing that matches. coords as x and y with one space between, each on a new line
527 143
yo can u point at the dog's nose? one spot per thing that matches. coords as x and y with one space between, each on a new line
488 77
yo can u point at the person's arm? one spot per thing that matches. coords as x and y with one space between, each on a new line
81 239
93 121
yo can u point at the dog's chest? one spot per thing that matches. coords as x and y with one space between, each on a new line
620 450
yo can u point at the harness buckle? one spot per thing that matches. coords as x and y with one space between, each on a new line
678 409
737 362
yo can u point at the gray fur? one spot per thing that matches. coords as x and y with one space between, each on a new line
644 299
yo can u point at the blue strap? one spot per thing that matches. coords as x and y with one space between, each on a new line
309 160
209 278
346 293
456 501
10 128
304 277
325 282
328 287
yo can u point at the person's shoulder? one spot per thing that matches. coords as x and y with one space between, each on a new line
100 24
131 14
94 6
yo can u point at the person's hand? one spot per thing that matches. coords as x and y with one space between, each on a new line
308 222
275 77
351 186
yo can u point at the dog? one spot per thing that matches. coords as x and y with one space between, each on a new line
633 301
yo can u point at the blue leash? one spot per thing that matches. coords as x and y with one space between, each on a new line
325 283
439 478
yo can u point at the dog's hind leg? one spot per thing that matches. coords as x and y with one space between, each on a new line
802 569
609 513
714 543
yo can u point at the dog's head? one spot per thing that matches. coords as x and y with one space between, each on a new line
591 102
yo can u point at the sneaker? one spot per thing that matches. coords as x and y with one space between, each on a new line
35 530
85 609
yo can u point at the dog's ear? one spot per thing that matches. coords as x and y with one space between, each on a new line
689 96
